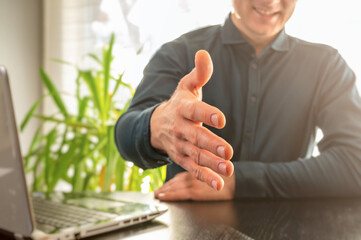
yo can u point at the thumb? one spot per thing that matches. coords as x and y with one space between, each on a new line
201 73
204 68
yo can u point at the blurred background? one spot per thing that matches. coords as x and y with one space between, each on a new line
33 32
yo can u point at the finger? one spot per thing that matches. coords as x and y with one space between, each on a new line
180 180
163 188
167 185
204 67
199 111
203 174
207 159
202 138
177 195
202 72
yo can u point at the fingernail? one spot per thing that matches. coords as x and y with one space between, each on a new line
220 151
161 195
214 119
222 168
214 184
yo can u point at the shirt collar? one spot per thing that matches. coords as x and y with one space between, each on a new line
281 43
231 35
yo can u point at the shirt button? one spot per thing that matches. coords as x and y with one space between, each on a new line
253 98
254 66
160 162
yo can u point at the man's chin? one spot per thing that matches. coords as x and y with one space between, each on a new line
266 32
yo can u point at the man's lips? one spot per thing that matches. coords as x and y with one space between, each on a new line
265 12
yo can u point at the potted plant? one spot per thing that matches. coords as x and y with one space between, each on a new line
79 148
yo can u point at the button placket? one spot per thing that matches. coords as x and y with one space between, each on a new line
252 110
254 65
253 98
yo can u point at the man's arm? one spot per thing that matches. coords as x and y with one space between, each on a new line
132 131
337 170
176 129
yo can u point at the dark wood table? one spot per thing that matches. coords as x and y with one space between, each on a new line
258 219
248 219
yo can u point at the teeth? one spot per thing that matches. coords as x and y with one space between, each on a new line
268 13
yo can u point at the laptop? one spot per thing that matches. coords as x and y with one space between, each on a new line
58 215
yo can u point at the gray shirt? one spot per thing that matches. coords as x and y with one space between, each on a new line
273 105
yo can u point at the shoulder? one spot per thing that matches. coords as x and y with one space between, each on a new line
331 58
325 61
312 48
201 35
194 40
317 56
182 49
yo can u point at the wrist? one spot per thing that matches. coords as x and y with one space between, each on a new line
155 129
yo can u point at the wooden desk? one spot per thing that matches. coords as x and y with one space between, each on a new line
308 219
259 219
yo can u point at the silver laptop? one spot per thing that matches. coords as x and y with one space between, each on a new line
55 215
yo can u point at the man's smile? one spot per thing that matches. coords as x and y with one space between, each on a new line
265 12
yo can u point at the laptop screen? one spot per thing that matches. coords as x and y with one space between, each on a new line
15 213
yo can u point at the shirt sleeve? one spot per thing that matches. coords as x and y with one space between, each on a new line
337 170
132 137
132 131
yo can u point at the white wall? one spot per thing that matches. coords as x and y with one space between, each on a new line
333 22
20 52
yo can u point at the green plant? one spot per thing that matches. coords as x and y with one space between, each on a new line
79 148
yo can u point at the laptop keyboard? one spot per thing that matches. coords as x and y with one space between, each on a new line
63 216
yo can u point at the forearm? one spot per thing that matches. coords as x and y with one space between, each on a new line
336 172
132 137
132 132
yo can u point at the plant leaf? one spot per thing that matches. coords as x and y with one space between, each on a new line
62 61
95 57
48 159
37 179
69 122
140 50
63 162
119 176
79 164
34 143
126 106
110 158
107 62
92 135
53 92
90 81
82 108
128 86
117 84
31 113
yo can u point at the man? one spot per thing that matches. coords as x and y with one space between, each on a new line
274 91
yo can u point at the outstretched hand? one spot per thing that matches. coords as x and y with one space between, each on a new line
177 128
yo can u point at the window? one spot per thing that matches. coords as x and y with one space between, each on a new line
74 28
